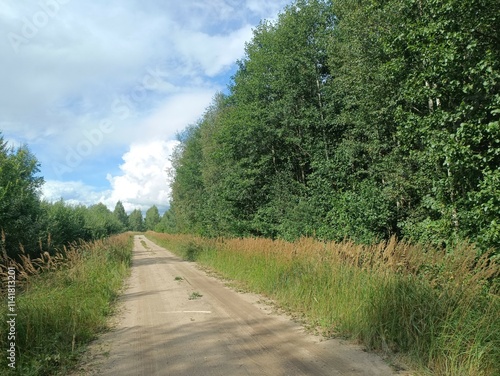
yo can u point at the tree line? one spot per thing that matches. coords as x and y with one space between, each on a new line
31 225
353 119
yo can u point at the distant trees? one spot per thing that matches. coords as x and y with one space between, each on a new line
120 214
135 221
152 218
100 222
64 223
61 223
167 222
31 225
353 119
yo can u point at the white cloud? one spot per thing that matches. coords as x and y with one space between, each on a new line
87 54
144 178
265 8
174 114
213 52
148 68
143 182
70 67
73 192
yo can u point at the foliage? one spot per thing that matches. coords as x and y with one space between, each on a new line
152 218
353 119
19 197
136 221
167 222
121 215
100 222
63 223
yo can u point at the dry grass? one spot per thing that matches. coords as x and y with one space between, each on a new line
27 268
441 310
62 301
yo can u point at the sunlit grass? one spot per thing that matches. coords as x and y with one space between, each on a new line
62 307
441 311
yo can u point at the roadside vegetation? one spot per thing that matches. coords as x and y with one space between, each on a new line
437 313
68 265
351 172
353 119
62 302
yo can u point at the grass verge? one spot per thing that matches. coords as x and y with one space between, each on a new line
62 308
440 312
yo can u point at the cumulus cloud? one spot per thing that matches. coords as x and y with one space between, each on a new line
68 68
213 53
147 68
143 181
73 192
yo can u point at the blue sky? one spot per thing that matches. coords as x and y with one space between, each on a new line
98 90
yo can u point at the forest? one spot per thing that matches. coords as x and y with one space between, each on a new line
350 172
31 225
353 119
344 120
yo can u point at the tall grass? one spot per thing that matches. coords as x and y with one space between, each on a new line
62 303
441 311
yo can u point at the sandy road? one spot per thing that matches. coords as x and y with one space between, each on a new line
162 330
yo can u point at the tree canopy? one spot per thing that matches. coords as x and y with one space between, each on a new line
353 119
19 196
152 218
136 221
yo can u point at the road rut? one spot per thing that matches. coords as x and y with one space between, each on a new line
165 328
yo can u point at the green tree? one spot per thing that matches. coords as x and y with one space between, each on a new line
274 130
448 115
167 223
188 192
136 221
19 199
100 221
64 224
152 218
120 214
364 174
353 119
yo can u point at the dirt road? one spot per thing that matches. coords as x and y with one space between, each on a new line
176 320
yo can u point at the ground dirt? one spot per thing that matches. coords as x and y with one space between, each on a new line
174 319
